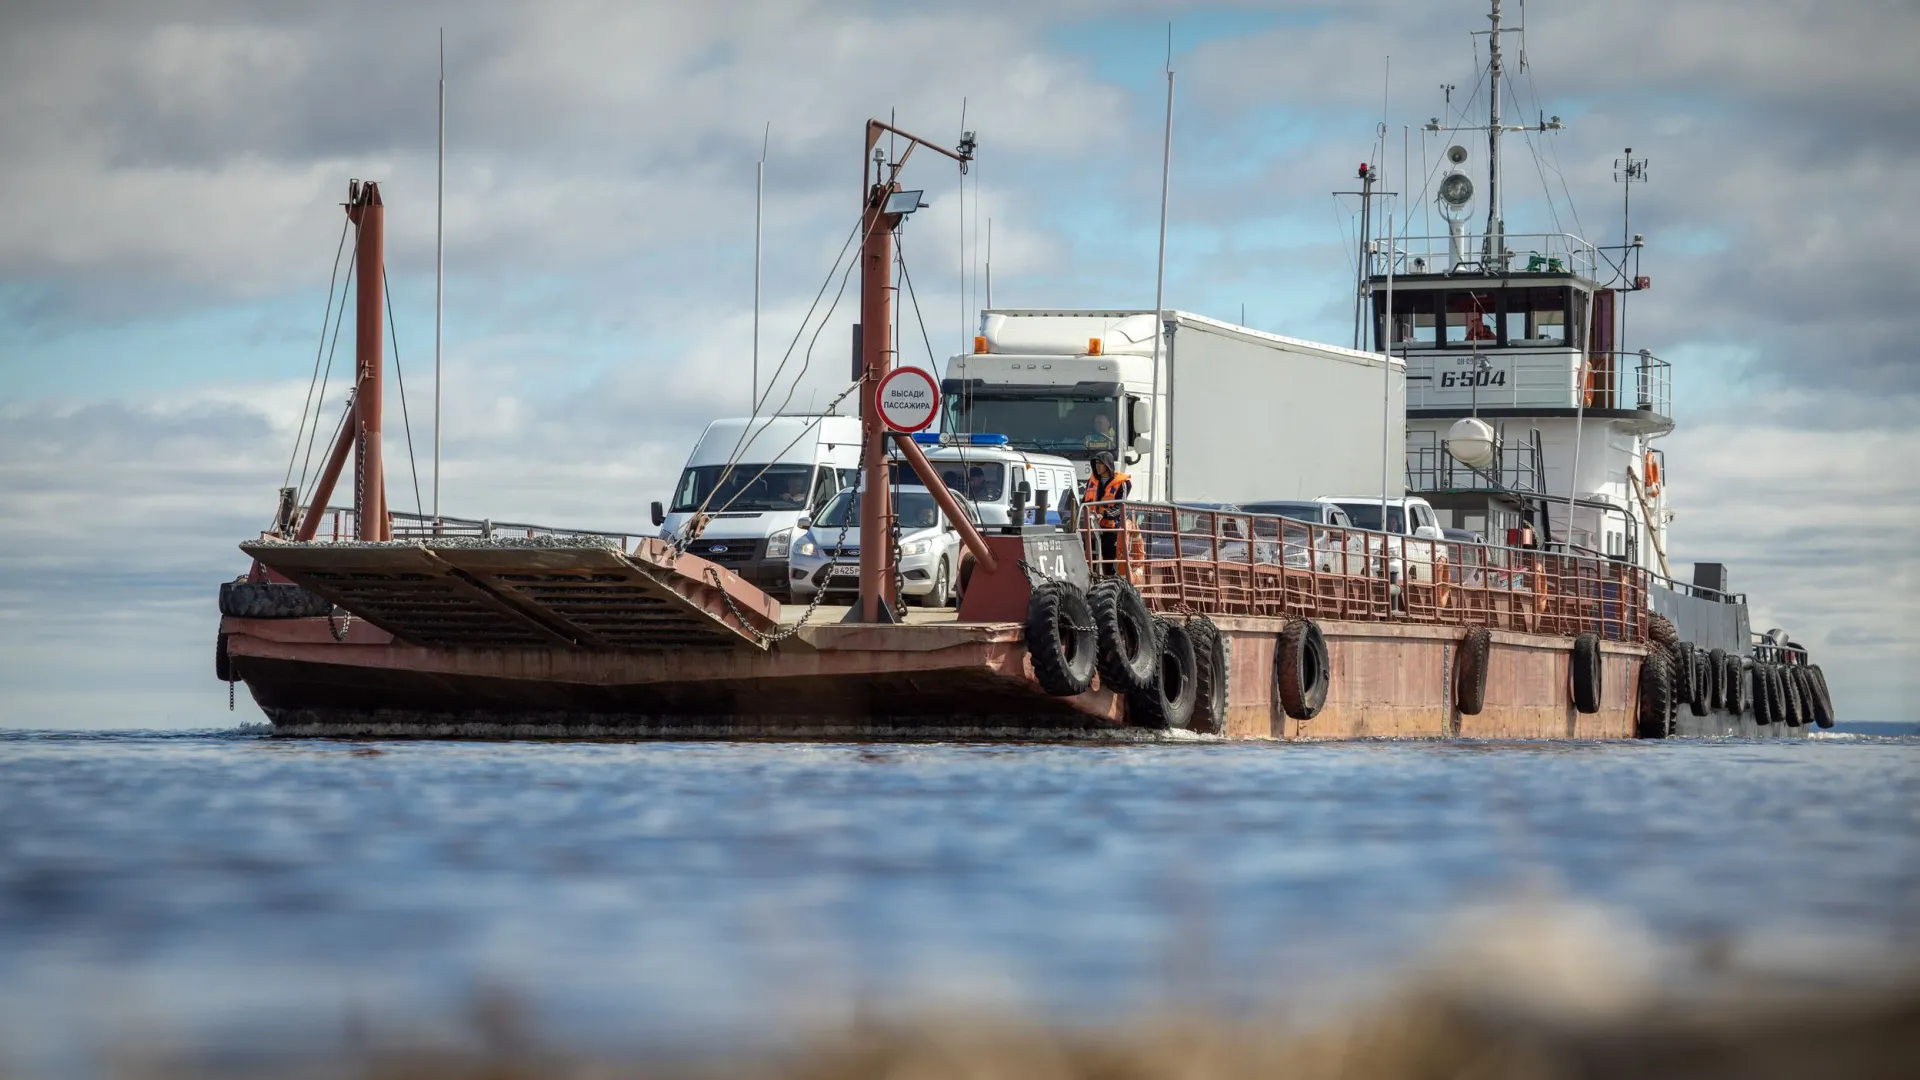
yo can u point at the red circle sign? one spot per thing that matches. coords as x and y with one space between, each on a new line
908 399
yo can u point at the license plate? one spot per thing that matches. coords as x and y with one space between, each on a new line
843 571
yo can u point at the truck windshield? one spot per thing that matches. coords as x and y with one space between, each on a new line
1298 511
916 509
1053 424
1367 516
743 487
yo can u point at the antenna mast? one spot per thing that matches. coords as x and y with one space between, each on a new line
1496 228
759 189
439 269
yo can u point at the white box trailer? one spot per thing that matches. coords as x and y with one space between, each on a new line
1235 414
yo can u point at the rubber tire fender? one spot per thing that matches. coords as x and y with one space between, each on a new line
1060 638
1701 700
1660 631
1210 676
1803 691
1684 672
1822 697
270 600
1129 653
1656 696
1584 669
1168 702
223 664
1738 701
1470 671
1762 694
1796 709
1717 679
1301 673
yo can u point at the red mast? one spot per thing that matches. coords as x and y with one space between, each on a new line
361 430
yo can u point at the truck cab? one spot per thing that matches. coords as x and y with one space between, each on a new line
749 482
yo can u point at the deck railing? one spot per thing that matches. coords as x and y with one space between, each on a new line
1191 560
338 524
1553 253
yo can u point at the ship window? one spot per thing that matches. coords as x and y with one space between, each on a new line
1412 318
1536 316
1471 317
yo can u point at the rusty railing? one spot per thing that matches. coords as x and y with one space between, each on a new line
1188 559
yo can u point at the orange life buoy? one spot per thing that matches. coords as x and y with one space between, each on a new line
1442 581
1136 552
1653 475
1587 382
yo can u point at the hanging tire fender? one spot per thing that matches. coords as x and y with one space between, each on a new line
1656 697
1128 652
1470 671
1762 693
1717 679
1823 699
270 600
1794 708
222 663
1301 672
1584 672
1210 676
1739 701
1060 638
1168 702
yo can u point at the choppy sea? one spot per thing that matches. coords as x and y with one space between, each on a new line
229 889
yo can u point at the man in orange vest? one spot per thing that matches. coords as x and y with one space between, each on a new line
1112 488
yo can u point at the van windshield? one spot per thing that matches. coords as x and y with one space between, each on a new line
744 486
1367 516
917 511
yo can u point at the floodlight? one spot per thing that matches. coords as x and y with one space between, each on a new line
903 202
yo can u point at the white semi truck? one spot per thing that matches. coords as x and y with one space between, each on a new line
1232 415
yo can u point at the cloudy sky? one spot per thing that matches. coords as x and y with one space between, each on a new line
173 172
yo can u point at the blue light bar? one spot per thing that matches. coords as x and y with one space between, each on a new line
975 440
927 438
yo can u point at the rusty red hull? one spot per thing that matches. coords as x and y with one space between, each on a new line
932 681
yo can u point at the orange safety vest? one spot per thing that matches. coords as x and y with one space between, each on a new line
1114 490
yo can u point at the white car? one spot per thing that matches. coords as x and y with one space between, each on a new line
827 554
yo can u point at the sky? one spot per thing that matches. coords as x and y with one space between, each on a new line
174 171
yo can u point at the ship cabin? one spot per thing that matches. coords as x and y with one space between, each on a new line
1526 340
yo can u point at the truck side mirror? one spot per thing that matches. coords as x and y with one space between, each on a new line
659 515
1141 447
1142 417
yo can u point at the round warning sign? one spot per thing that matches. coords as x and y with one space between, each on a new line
908 399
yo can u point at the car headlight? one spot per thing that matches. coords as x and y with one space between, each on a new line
807 548
777 545
915 547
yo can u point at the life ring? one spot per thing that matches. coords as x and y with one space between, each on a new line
1587 382
1060 638
1651 470
1136 557
1584 669
1470 671
1442 581
1301 674
1166 703
1656 696
1209 676
1128 653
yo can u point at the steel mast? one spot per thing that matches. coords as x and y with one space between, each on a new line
1496 228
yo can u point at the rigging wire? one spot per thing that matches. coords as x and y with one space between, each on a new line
406 422
915 301
339 319
318 348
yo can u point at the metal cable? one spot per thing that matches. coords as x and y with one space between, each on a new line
318 348
339 319
406 422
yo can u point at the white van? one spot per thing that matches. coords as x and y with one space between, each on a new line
986 474
783 468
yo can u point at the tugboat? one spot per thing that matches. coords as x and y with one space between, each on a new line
1531 421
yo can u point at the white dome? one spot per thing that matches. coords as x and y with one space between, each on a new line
1470 441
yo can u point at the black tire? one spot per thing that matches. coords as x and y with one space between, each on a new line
1684 670
223 664
1470 671
1656 696
1823 713
1738 700
1301 672
1803 688
270 600
1701 702
1763 712
1060 638
1210 676
1717 679
1660 631
1585 670
1796 709
941 594
1128 654
1168 703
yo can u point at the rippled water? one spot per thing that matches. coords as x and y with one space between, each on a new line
228 888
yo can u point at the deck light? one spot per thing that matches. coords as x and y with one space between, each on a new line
903 202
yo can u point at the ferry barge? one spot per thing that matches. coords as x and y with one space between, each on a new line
1154 619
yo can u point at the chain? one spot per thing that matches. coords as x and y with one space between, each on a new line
340 630
229 695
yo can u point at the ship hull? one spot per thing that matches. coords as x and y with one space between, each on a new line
936 681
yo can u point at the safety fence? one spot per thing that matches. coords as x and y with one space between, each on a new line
338 524
1186 559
